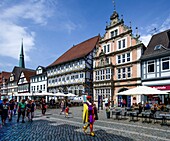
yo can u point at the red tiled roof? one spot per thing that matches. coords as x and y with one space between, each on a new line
28 74
4 74
77 51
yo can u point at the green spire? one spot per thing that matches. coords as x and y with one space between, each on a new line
21 59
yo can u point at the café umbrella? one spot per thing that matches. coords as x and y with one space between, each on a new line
142 90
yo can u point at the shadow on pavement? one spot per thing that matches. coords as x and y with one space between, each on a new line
45 130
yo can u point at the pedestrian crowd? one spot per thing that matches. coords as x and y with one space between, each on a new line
24 109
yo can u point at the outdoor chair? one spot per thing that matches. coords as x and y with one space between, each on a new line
133 114
147 114
157 116
116 113
123 113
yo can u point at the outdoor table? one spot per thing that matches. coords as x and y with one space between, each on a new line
164 118
145 116
117 113
132 115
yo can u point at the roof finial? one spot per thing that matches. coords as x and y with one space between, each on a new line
130 24
114 4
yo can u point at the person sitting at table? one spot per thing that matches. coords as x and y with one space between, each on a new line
136 106
162 107
140 107
147 106
154 108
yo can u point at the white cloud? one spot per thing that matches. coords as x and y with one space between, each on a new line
145 39
70 26
153 29
12 19
166 24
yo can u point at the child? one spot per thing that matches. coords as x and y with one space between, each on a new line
66 111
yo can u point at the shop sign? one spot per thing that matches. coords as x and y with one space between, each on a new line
166 87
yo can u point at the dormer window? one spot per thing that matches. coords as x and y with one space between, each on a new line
114 33
12 77
158 47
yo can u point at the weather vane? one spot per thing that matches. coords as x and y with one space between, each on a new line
114 5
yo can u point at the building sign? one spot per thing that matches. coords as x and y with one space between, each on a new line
165 87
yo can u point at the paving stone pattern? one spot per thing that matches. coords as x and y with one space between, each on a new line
55 127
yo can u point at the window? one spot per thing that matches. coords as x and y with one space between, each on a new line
114 33
106 48
81 75
165 63
123 58
151 66
97 75
121 43
157 47
107 60
44 87
119 73
108 73
102 75
119 59
40 87
128 72
123 73
37 87
128 57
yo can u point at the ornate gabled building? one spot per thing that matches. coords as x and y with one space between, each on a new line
24 82
117 62
13 80
156 65
3 84
73 71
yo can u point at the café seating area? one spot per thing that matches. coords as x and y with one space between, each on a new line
155 114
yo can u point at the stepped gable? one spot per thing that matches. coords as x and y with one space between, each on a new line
163 39
77 51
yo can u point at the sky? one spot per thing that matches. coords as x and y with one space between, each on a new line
50 27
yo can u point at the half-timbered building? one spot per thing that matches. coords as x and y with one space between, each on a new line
73 71
24 83
156 66
3 84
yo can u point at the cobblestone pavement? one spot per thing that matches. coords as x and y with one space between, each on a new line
55 127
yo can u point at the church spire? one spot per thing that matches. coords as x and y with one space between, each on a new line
21 59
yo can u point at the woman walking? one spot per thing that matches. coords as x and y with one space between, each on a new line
43 106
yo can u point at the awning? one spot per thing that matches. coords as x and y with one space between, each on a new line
142 90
